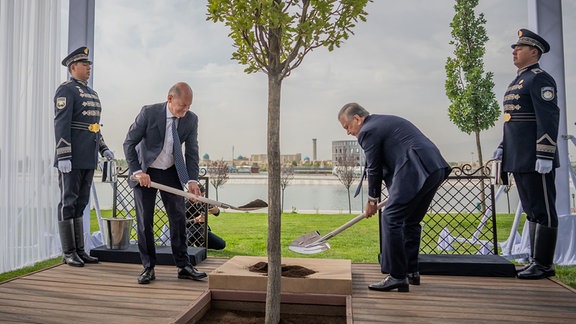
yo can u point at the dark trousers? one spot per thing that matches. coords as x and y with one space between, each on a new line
196 237
74 193
401 229
538 197
145 199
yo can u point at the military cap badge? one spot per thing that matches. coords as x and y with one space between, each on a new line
527 37
80 54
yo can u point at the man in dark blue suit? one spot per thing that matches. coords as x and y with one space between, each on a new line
413 169
528 149
153 154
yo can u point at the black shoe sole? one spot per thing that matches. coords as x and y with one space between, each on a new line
145 282
402 288
199 277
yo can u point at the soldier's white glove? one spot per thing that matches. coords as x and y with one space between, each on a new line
108 154
497 154
543 166
65 166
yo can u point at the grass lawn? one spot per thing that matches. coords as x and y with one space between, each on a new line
246 234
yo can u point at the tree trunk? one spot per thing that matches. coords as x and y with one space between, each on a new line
274 204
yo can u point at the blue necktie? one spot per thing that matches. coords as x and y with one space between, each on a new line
360 184
177 153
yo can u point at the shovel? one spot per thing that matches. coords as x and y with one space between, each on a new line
253 205
314 243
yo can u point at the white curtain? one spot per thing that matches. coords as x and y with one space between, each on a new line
30 72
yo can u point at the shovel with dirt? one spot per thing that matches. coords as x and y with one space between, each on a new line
253 205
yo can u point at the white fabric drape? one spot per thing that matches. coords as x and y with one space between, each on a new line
30 72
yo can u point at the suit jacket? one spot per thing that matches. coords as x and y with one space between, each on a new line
531 121
399 154
145 139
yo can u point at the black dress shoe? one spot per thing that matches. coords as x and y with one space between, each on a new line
537 271
391 283
72 259
189 272
413 278
86 257
146 276
525 267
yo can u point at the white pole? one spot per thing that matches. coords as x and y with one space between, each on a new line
545 18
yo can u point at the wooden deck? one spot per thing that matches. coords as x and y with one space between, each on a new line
109 293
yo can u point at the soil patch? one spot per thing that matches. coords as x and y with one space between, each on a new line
240 317
291 271
258 203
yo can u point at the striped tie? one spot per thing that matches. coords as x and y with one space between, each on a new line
177 153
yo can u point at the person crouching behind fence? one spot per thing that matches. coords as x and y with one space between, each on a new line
195 225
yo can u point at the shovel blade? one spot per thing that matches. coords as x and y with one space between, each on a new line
310 249
309 244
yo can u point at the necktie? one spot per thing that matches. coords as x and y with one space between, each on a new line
177 153
360 184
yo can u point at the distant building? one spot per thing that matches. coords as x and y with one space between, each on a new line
341 149
262 159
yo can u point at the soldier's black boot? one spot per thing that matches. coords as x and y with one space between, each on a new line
79 238
70 257
544 248
532 233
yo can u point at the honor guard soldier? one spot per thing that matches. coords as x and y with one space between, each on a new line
78 142
528 149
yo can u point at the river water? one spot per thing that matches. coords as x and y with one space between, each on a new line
307 194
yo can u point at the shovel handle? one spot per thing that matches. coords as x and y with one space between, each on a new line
185 194
349 223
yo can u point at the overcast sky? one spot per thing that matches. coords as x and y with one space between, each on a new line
394 64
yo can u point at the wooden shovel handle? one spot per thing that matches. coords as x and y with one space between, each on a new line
349 223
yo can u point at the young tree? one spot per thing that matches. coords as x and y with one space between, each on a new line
218 174
287 175
345 171
473 105
274 36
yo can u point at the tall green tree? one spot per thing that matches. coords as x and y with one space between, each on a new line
473 105
274 36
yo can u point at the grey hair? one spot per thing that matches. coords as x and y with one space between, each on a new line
351 109
177 90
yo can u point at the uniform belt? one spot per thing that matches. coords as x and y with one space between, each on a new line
519 117
94 128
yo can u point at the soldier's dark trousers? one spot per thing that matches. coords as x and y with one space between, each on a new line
74 197
538 197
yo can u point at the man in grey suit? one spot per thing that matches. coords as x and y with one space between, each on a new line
413 169
153 154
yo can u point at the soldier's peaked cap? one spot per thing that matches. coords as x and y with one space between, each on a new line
527 37
80 54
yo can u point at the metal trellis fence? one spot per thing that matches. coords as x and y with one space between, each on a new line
123 206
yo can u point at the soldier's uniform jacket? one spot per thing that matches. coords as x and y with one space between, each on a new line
77 125
531 118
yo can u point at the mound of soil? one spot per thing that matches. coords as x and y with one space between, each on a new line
258 203
290 271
